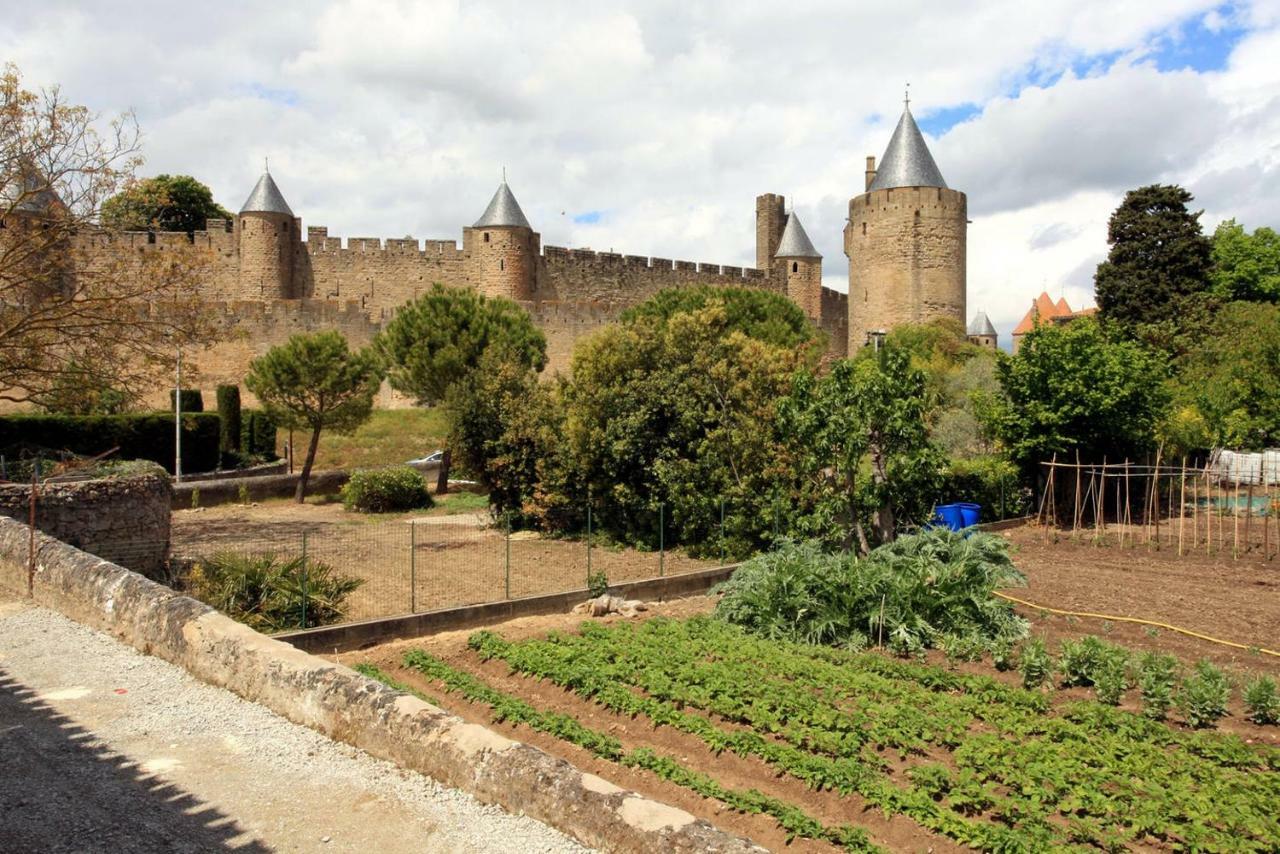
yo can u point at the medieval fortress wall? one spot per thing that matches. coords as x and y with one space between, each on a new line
905 240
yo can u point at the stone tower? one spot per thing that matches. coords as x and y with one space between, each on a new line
268 236
981 332
905 240
801 267
771 217
502 249
29 234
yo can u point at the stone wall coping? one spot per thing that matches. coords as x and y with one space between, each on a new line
345 706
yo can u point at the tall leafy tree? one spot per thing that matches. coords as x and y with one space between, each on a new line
759 314
1159 260
163 203
314 382
436 340
1246 266
1072 388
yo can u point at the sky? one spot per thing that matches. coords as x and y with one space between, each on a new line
649 128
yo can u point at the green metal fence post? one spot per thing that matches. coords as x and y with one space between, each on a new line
722 532
507 569
662 540
304 579
413 567
588 538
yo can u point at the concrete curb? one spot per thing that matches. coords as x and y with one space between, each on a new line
348 707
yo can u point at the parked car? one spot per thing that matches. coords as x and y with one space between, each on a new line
433 457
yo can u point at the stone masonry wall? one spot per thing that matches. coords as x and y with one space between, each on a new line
380 277
124 520
619 281
906 249
835 322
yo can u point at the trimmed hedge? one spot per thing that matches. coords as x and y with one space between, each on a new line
139 436
192 400
229 412
258 434
386 490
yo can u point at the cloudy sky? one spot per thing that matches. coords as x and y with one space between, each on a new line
649 127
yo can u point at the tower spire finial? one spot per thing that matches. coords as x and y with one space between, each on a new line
504 174
266 167
906 97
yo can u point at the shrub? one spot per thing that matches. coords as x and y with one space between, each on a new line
1079 661
192 400
597 584
1034 664
1111 675
1002 654
266 592
229 412
909 593
137 436
1157 677
1262 700
990 481
1204 695
386 490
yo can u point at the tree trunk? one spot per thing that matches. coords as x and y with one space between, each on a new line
442 478
301 493
882 519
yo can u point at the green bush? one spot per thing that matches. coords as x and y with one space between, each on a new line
908 594
990 481
386 490
138 436
267 592
1157 678
257 435
1204 695
192 400
1079 660
1034 664
1111 676
229 411
1262 700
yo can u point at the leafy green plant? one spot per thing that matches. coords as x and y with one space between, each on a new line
1262 700
1204 695
386 490
909 593
597 584
1002 654
1111 675
271 593
243 493
1034 664
1079 660
1157 678
195 497
963 648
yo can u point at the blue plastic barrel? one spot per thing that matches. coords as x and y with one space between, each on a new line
969 513
949 516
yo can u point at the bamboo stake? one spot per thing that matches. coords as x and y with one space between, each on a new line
1169 515
1182 505
1075 520
1102 499
1248 518
1128 508
1235 523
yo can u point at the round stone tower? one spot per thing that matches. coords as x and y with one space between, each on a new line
905 240
268 236
802 267
502 249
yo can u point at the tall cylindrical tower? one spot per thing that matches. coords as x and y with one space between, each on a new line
268 235
802 268
906 242
502 249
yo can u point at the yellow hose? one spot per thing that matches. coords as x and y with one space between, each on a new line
1116 619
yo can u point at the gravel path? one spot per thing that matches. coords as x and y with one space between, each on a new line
102 748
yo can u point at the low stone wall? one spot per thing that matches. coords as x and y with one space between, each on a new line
121 519
278 467
348 707
230 490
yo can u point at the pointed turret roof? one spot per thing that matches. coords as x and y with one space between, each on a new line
907 161
503 210
27 190
981 325
795 243
266 198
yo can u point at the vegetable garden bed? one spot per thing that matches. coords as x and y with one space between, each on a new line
859 751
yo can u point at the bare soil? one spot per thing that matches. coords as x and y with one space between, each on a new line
414 562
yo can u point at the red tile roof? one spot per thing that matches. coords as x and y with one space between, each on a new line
1042 309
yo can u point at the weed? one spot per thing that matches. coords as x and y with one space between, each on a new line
1151 632
244 493
960 648
195 497
1034 664
1157 677
1204 695
271 593
1002 654
1262 700
597 584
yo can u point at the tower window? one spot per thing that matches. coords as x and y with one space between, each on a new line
864 229
795 267
486 237
284 227
502 265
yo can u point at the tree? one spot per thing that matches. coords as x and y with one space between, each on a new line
314 382
72 317
860 448
1159 259
1071 388
1231 383
163 203
436 340
1246 266
763 315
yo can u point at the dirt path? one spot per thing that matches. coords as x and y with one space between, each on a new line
105 749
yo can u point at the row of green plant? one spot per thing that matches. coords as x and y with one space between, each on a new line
1022 775
795 822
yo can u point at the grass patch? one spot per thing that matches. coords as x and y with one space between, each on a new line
389 437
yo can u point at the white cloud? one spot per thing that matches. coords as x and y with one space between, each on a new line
668 117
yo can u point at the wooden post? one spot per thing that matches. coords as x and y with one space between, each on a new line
1128 507
1102 498
1182 505
1235 522
1248 518
1075 520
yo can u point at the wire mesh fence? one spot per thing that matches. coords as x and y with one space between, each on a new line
415 564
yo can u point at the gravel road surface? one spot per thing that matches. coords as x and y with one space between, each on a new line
105 749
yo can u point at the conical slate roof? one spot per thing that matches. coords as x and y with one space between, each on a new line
981 325
503 210
907 161
266 198
795 243
27 191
